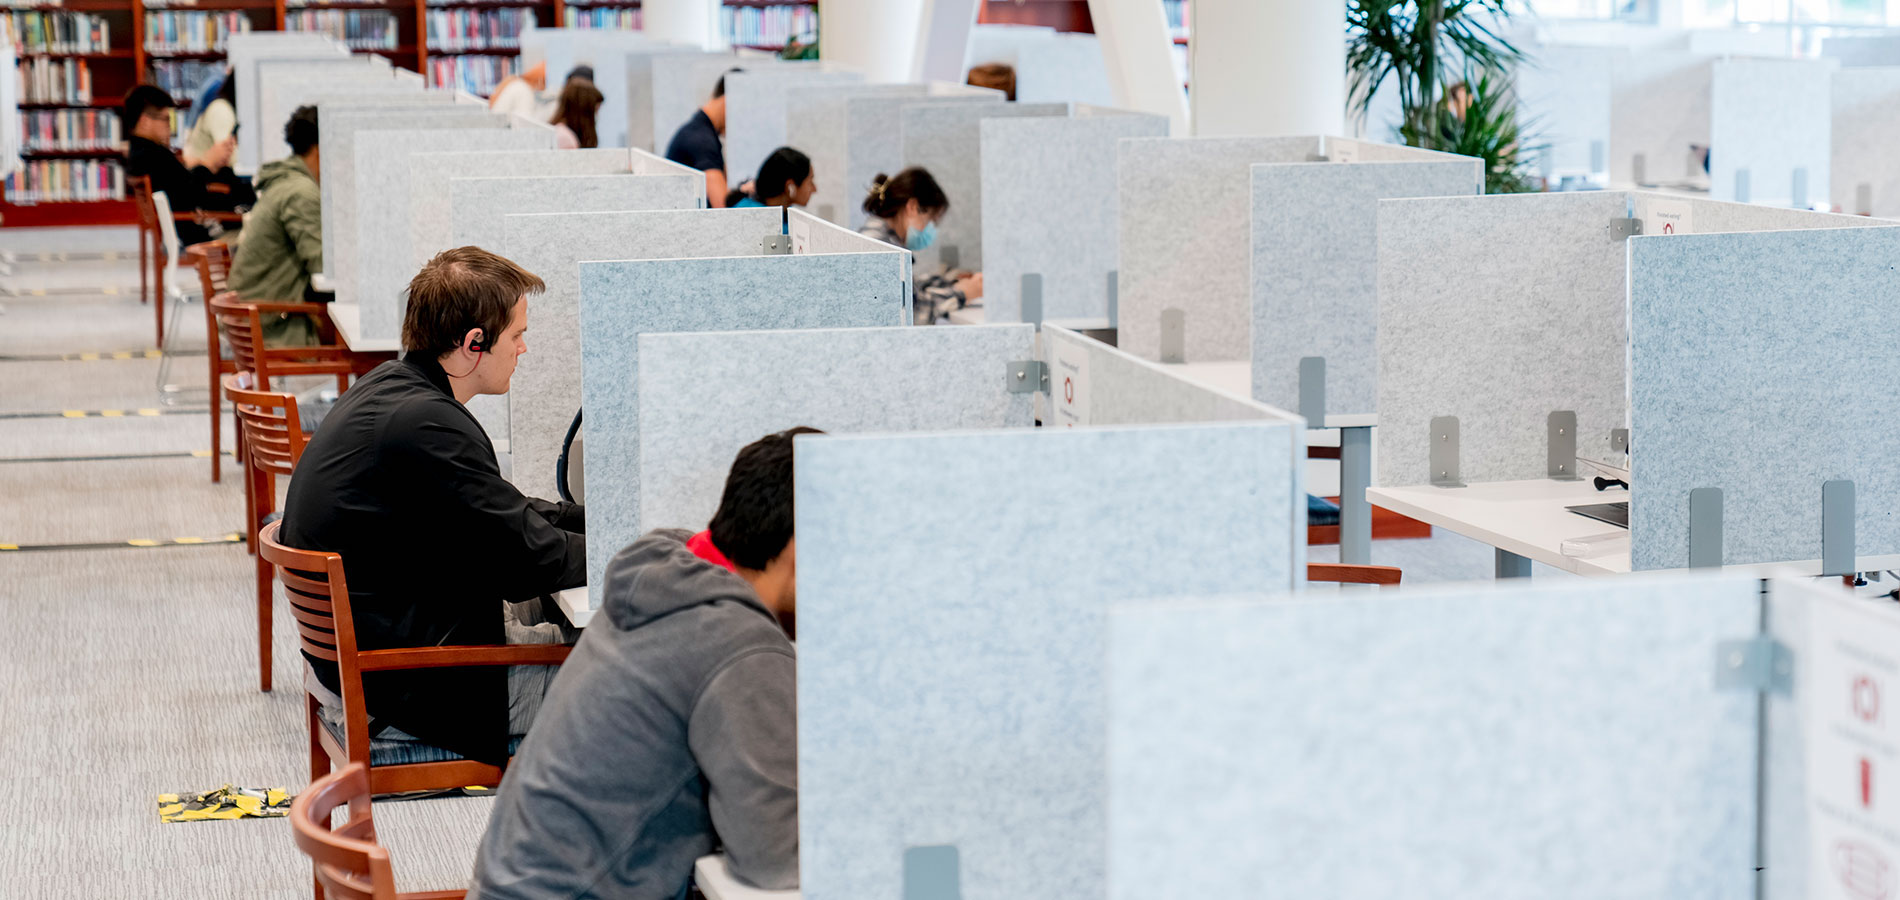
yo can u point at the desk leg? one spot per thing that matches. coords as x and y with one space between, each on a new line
1355 514
1511 565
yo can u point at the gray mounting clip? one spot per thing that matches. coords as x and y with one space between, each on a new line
1313 390
1864 198
1759 664
949 255
1114 297
1705 528
932 873
776 245
1619 440
1027 376
1173 335
1032 298
1837 527
1625 228
1318 157
1444 452
1561 439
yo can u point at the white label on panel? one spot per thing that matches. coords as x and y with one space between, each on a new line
1343 151
801 237
1853 673
1069 386
1670 217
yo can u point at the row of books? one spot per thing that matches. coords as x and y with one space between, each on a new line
61 32
65 180
474 74
621 18
1177 12
361 29
769 26
70 129
455 30
54 81
184 78
192 32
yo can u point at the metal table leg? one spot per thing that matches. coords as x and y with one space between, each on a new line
1511 565
1355 514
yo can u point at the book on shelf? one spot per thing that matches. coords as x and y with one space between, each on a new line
359 29
60 32
66 181
1178 17
48 81
622 18
769 26
475 74
70 129
192 32
457 30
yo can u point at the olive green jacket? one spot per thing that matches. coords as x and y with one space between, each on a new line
282 246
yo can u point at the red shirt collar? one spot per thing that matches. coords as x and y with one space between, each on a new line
701 546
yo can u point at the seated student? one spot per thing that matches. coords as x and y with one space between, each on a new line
216 119
673 727
574 117
996 77
697 143
195 183
401 480
785 179
283 245
519 95
904 212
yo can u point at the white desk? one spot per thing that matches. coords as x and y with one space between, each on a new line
713 880
574 602
348 318
1526 520
969 315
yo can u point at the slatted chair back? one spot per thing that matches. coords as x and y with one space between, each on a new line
235 318
214 267
350 865
320 602
273 435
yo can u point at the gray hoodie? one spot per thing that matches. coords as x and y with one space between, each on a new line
671 729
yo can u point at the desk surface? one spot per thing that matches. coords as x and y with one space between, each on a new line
969 315
712 879
348 318
1528 518
1236 377
574 601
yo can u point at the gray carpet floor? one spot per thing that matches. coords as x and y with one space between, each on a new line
141 677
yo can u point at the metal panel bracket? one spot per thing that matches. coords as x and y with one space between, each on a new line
1114 297
1032 298
1619 440
1173 335
1313 390
1625 228
1561 439
1760 664
949 256
932 873
1837 527
776 245
1741 185
1027 376
1705 528
1444 452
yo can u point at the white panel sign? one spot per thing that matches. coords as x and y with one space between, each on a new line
1670 217
1342 151
801 237
1069 385
1853 752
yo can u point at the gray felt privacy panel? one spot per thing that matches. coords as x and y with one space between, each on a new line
874 136
1751 371
1866 129
1315 269
946 140
1051 66
1567 90
1127 390
430 175
547 382
1184 225
639 95
682 83
1520 316
284 85
1856 50
242 52
943 700
1050 207
1561 741
622 300
336 133
815 124
386 165
605 49
811 234
757 115
1660 108
1771 117
1712 216
705 395
478 207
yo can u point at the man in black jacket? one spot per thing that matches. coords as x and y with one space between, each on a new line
191 184
402 481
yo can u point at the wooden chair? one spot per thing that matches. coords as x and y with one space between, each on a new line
214 269
349 864
320 601
1350 574
274 442
154 224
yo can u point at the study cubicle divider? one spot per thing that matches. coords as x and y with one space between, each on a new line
386 166
953 599
342 207
1183 242
1092 383
242 51
1524 317
605 49
638 92
1858 50
947 140
1769 130
1864 178
283 85
1755 371
815 124
1315 267
1050 209
704 395
682 83
1051 66
1565 92
874 137
758 111
1257 741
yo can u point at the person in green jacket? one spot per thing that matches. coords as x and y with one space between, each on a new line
283 241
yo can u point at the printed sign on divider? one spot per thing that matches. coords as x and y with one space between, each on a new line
1853 750
801 237
1670 217
1069 385
1342 151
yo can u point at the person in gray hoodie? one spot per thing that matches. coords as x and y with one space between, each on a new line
672 728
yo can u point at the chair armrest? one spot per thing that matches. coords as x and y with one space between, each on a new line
463 655
1352 574
196 215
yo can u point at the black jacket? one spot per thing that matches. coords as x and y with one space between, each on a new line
402 481
186 188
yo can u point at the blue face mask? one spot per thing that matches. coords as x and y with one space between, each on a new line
922 238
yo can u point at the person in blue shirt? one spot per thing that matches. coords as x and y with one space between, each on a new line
786 179
697 144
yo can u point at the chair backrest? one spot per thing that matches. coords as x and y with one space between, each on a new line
319 597
235 320
273 435
350 864
142 198
168 236
214 267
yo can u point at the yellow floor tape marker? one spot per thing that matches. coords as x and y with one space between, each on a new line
234 537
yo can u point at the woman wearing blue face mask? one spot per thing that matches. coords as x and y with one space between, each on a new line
904 210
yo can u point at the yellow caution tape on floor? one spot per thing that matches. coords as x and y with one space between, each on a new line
234 537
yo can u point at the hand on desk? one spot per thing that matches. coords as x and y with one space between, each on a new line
971 284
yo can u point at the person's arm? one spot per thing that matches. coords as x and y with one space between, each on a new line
301 217
716 188
561 514
744 734
935 295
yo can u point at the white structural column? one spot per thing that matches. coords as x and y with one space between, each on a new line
691 22
875 37
943 40
1268 67
1139 54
